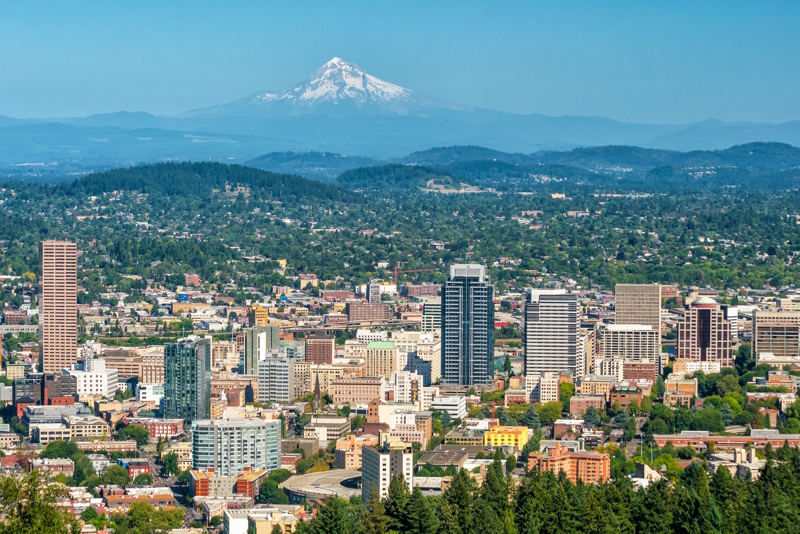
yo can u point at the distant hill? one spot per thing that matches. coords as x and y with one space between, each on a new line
321 166
202 180
752 166
459 154
762 155
397 178
518 177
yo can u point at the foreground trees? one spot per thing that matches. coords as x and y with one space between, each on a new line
687 501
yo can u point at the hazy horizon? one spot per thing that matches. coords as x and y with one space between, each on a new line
629 62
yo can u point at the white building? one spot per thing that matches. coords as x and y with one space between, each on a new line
94 379
427 346
550 333
230 445
609 367
283 379
365 335
150 392
407 386
542 387
635 342
455 406
379 466
427 396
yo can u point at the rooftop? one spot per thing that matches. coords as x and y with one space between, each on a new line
381 345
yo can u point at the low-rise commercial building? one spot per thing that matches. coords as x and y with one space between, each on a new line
455 406
513 436
165 429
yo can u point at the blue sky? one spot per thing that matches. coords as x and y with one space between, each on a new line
663 62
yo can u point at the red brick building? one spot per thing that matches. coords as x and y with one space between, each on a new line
419 290
579 403
369 311
158 428
624 396
632 370
135 466
319 350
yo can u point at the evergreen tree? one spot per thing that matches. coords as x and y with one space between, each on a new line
494 490
461 497
486 521
448 518
508 523
397 504
332 518
373 517
420 518
652 512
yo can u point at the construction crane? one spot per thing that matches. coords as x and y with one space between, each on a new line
396 271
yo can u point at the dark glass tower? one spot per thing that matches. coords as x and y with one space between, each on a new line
468 327
187 379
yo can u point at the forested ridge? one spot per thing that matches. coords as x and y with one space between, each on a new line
403 178
199 180
161 220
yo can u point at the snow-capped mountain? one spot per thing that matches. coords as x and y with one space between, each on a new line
336 88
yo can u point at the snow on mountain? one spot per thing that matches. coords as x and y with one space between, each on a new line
337 87
338 80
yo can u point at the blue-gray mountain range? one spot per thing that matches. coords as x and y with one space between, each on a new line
341 108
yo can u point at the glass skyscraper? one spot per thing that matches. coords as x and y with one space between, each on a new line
468 327
187 379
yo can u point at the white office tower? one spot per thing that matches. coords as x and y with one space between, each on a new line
379 466
550 334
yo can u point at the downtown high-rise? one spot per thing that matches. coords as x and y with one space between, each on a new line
58 305
550 334
187 379
468 327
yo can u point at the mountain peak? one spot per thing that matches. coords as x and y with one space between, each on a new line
336 88
337 82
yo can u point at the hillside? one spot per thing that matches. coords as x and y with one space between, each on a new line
762 155
201 180
397 178
458 154
321 166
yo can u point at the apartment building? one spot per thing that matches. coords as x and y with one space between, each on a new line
378 466
468 327
228 446
587 467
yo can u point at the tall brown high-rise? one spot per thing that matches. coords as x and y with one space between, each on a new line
58 305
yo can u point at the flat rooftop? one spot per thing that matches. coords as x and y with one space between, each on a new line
324 484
